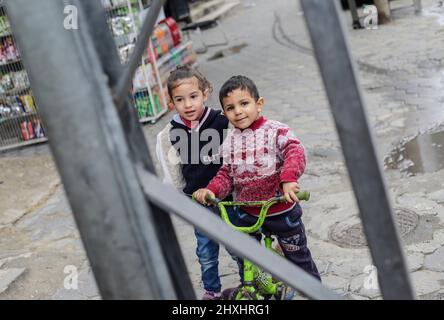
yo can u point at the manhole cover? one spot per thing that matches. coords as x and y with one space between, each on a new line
353 237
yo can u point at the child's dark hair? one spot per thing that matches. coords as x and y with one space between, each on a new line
238 82
186 72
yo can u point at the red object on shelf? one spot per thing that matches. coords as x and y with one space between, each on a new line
158 40
174 29
166 35
24 131
167 42
150 56
31 134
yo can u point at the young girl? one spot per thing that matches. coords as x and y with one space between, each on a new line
189 159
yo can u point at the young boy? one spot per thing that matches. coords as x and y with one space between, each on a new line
189 159
262 159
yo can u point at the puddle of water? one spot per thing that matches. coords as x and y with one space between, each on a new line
437 11
227 52
420 154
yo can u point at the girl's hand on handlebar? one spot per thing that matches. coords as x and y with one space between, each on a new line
290 189
201 194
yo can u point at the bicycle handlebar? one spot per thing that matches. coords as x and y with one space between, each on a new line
265 205
302 195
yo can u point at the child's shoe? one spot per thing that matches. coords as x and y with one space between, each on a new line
210 295
290 293
285 293
230 293
277 247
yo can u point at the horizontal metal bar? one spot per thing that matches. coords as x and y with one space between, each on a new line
332 52
167 197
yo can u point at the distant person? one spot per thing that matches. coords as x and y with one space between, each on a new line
262 160
191 164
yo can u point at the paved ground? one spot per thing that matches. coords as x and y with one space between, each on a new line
401 69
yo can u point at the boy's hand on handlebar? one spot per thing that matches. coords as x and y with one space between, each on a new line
290 189
201 194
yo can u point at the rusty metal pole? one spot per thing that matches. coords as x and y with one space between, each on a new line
384 15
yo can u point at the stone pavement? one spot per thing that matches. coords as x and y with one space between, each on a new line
401 72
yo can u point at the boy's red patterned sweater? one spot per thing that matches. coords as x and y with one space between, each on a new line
257 161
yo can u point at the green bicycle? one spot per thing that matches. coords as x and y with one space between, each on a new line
257 284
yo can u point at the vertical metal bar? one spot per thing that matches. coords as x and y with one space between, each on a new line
159 80
2 132
131 14
338 72
4 125
90 151
354 14
418 6
13 130
16 128
147 78
110 61
143 65
149 86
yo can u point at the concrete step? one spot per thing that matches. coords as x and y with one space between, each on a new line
220 12
214 9
200 9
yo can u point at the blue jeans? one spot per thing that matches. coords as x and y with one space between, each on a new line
207 252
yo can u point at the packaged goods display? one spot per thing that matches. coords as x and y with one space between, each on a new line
19 118
165 53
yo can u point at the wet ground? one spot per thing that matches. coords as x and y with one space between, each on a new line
421 153
401 70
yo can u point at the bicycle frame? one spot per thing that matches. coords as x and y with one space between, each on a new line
252 274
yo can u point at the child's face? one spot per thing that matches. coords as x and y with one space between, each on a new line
188 99
241 109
